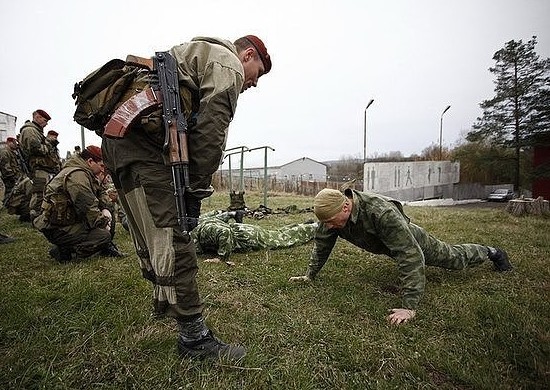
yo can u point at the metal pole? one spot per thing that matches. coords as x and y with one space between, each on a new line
265 169
229 172
441 133
365 133
241 189
82 140
242 148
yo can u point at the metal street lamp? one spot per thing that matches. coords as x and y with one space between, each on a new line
365 133
441 132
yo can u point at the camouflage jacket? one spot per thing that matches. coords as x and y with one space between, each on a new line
36 149
73 196
216 234
211 77
9 165
378 225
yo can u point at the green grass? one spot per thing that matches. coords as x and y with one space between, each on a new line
88 324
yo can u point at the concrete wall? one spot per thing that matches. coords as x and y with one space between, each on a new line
409 181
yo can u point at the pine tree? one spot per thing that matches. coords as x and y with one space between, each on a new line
520 108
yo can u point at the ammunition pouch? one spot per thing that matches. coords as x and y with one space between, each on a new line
59 211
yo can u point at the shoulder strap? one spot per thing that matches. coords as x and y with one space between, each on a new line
70 170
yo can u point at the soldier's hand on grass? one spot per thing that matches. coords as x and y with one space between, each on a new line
298 279
398 316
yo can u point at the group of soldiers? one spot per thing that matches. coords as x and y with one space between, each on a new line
70 205
71 202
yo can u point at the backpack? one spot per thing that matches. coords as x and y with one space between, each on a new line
97 96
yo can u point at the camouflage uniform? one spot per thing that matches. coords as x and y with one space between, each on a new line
211 79
9 165
215 233
18 185
71 216
379 225
41 159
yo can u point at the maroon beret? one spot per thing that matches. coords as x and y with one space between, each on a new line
11 139
44 114
94 152
53 132
262 51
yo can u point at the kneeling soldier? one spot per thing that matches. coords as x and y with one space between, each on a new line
73 216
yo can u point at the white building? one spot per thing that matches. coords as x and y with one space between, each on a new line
301 169
7 126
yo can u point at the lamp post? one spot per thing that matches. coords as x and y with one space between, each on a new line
441 132
365 133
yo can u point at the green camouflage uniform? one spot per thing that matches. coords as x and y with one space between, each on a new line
41 158
18 185
71 210
9 165
216 234
379 225
211 78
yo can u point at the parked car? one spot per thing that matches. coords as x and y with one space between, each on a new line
500 195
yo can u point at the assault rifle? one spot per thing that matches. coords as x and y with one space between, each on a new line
175 140
22 163
164 92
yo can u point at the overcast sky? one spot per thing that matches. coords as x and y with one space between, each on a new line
330 58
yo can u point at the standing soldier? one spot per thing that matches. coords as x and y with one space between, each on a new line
212 73
18 185
10 164
51 137
4 239
37 152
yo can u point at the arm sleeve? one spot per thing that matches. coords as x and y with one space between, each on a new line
84 200
324 241
219 90
394 232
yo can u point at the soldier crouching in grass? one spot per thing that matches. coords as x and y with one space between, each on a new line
379 225
74 216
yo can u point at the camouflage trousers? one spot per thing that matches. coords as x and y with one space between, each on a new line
78 238
39 180
18 203
440 254
167 259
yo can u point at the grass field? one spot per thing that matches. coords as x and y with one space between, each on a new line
87 325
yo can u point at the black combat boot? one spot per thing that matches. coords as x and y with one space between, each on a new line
237 215
196 341
500 259
6 239
61 254
111 251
